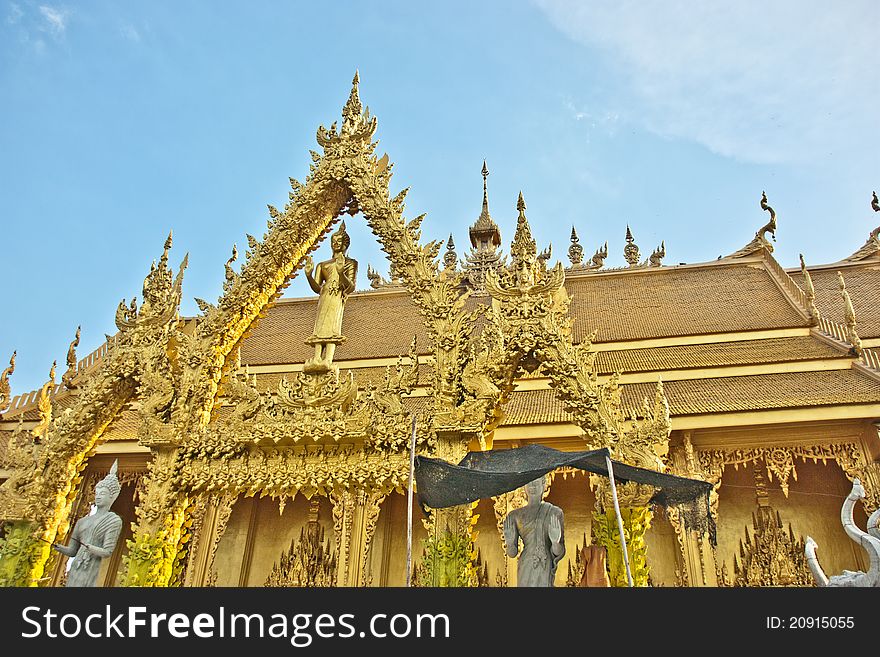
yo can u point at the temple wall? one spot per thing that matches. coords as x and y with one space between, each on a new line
386 563
489 541
571 493
663 550
812 508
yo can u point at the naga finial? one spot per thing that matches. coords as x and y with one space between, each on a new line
810 292
5 389
656 258
230 272
67 377
598 259
875 204
849 314
770 226
52 372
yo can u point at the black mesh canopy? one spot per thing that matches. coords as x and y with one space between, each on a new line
487 474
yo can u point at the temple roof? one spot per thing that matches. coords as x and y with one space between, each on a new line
863 285
716 395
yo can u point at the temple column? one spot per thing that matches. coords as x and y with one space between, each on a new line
160 532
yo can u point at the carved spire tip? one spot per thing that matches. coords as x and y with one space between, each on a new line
520 203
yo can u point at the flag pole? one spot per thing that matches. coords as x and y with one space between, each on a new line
409 504
629 577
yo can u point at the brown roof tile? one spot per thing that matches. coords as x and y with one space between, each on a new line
671 302
375 325
760 392
744 352
720 395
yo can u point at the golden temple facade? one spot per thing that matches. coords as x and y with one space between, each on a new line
248 460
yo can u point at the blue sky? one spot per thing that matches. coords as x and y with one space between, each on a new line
121 121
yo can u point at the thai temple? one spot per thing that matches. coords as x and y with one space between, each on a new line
265 442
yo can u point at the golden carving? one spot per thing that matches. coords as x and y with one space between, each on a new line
223 505
773 556
67 377
780 461
372 507
309 561
810 291
849 317
631 250
760 240
5 390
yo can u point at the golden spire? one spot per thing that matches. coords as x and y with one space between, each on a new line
575 251
450 258
631 250
484 233
67 377
523 247
849 314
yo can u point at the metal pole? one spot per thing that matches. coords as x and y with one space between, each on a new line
409 504
629 576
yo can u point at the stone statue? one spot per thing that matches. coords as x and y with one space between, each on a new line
333 280
94 537
869 540
540 526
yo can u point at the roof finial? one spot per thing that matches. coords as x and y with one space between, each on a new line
5 389
770 227
485 173
484 233
631 250
352 112
575 251
810 292
849 314
67 377
523 248
871 248
450 258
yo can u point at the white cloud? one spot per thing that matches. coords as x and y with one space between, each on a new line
56 20
779 80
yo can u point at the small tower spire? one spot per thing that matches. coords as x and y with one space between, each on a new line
631 251
450 258
575 251
484 233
